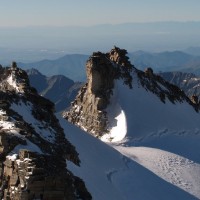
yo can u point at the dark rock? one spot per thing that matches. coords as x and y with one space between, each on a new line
37 167
88 109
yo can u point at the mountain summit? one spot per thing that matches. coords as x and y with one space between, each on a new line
152 124
115 89
33 147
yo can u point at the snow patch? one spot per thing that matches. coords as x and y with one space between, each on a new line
29 146
12 81
118 132
2 112
119 177
12 157
117 126
9 127
25 110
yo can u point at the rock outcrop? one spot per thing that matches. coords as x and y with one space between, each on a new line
188 82
88 111
33 147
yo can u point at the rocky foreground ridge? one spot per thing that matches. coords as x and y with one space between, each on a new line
88 111
33 147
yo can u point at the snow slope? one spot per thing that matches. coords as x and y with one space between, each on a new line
146 114
157 143
25 110
175 169
110 175
162 137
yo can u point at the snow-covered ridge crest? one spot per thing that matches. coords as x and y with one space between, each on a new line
111 72
15 79
93 98
153 125
13 82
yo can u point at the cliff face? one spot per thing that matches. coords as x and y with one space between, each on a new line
33 147
88 109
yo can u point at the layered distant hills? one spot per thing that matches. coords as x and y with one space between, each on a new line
73 66
132 36
165 61
58 88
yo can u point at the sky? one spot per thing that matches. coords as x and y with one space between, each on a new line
83 26
92 12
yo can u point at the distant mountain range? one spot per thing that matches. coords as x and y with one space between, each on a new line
165 61
58 88
193 51
152 36
73 66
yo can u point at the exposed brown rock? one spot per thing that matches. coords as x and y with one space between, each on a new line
88 109
149 72
28 177
194 99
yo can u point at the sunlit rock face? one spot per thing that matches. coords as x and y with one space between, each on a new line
89 110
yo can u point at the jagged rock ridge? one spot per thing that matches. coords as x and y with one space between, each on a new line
33 147
88 109
188 82
89 112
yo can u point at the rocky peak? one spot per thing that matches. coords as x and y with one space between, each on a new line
33 147
15 79
102 69
88 109
118 56
163 89
100 73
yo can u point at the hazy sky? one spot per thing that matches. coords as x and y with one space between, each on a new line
91 12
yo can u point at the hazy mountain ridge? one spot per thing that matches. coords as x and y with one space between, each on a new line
73 66
131 36
164 61
58 88
193 51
